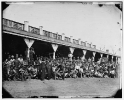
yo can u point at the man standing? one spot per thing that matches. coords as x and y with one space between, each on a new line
63 70
49 69
27 54
17 65
37 65
31 56
43 69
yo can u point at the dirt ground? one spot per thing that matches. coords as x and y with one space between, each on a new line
69 88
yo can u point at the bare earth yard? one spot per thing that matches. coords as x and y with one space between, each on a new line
81 88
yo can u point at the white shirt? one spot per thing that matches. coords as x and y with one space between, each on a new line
77 67
21 60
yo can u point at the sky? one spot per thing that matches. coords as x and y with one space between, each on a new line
89 22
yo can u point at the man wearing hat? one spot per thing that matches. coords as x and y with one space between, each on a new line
42 70
31 55
12 59
49 69
17 65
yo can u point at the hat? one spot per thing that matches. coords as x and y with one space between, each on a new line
12 56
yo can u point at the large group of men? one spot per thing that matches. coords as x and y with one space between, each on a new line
19 68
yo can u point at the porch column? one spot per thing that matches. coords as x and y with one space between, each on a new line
108 56
55 46
101 55
29 43
112 58
94 53
26 24
71 39
63 36
116 60
71 54
79 40
41 30
84 52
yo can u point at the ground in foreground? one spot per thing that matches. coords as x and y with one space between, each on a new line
68 88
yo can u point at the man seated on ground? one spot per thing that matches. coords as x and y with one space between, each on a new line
54 68
5 70
21 59
60 71
10 68
67 69
70 72
100 73
81 71
86 70
73 73
77 68
105 74
112 73
91 70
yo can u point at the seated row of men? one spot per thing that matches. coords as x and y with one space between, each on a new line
45 68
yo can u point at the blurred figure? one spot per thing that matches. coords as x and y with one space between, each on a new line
37 65
49 69
12 59
42 70
58 68
16 67
31 56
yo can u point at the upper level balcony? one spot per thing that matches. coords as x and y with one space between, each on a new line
13 24
50 35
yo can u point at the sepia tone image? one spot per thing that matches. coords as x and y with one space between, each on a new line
61 49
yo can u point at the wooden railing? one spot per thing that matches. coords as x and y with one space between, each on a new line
67 39
52 35
94 46
88 45
34 30
59 37
20 26
75 41
13 24
83 43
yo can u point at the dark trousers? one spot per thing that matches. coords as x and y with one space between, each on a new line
43 74
39 72
49 74
63 76
5 74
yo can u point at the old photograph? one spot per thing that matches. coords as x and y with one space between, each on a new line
61 49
